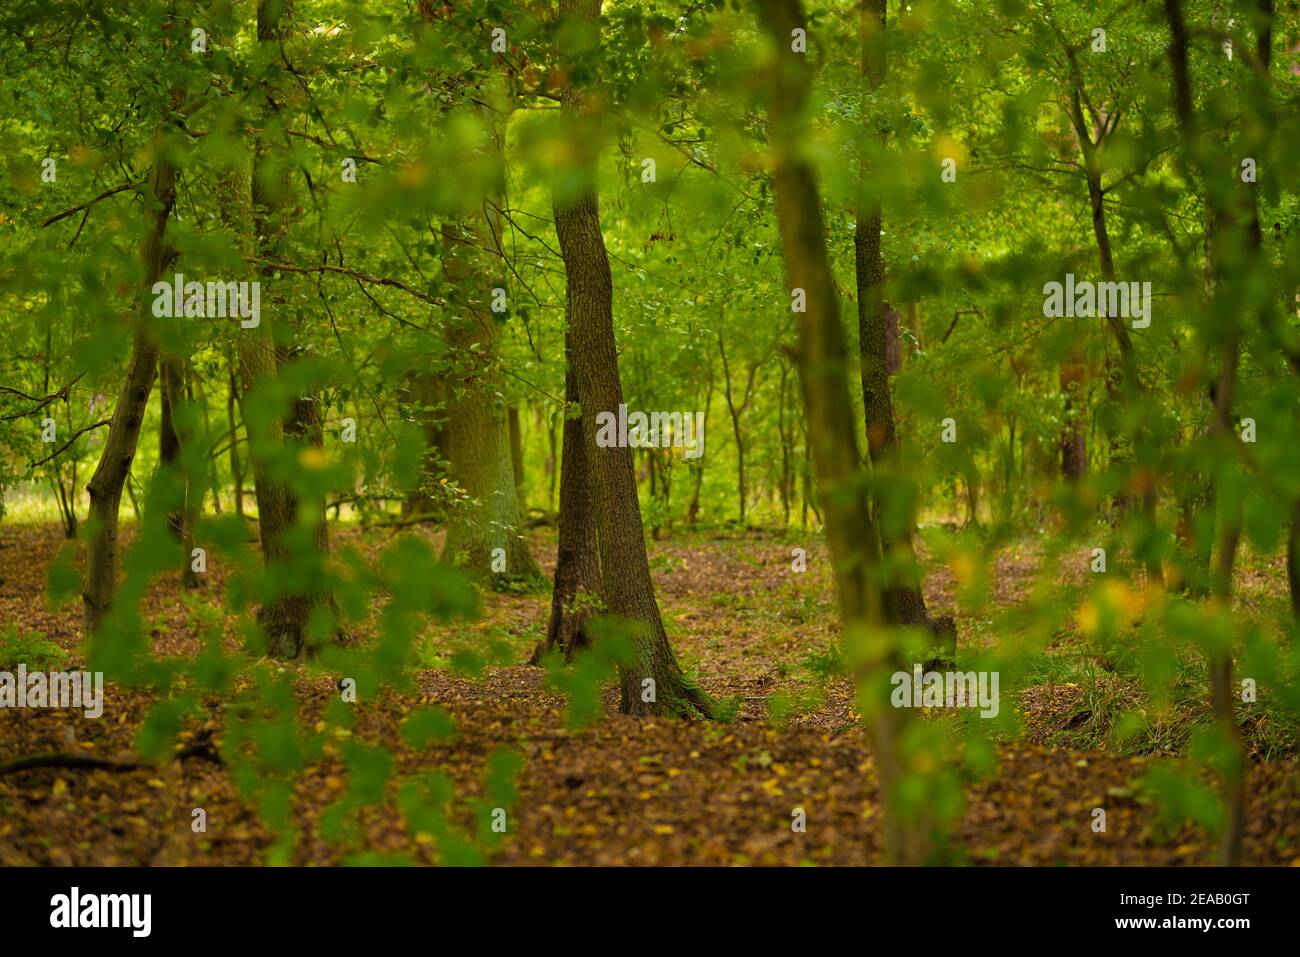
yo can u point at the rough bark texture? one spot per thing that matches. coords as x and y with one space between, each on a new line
904 601
577 562
625 569
105 486
823 367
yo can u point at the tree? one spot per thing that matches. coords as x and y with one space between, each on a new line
654 682
105 486
265 356
904 601
851 530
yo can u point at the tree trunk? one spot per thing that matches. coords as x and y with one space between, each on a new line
850 528
484 536
654 682
105 486
517 455
236 466
1224 231
904 601
169 440
1074 442
1293 558
577 564
693 508
285 616
424 394
736 412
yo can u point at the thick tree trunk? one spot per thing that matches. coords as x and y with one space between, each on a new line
105 485
484 536
654 682
823 363
285 617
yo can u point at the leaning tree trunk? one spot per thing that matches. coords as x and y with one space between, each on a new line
822 358
105 485
904 601
654 682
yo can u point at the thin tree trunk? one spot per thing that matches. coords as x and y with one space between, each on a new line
169 441
1221 233
904 601
693 509
517 454
236 466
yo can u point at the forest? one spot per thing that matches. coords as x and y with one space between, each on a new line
649 432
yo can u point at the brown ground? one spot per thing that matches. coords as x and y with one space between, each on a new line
622 791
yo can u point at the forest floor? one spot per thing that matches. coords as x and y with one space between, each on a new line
622 790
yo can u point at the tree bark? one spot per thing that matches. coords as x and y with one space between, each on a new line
285 617
654 682
904 600
424 394
169 440
105 486
823 362
236 466
577 562
1223 230
484 536
517 455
